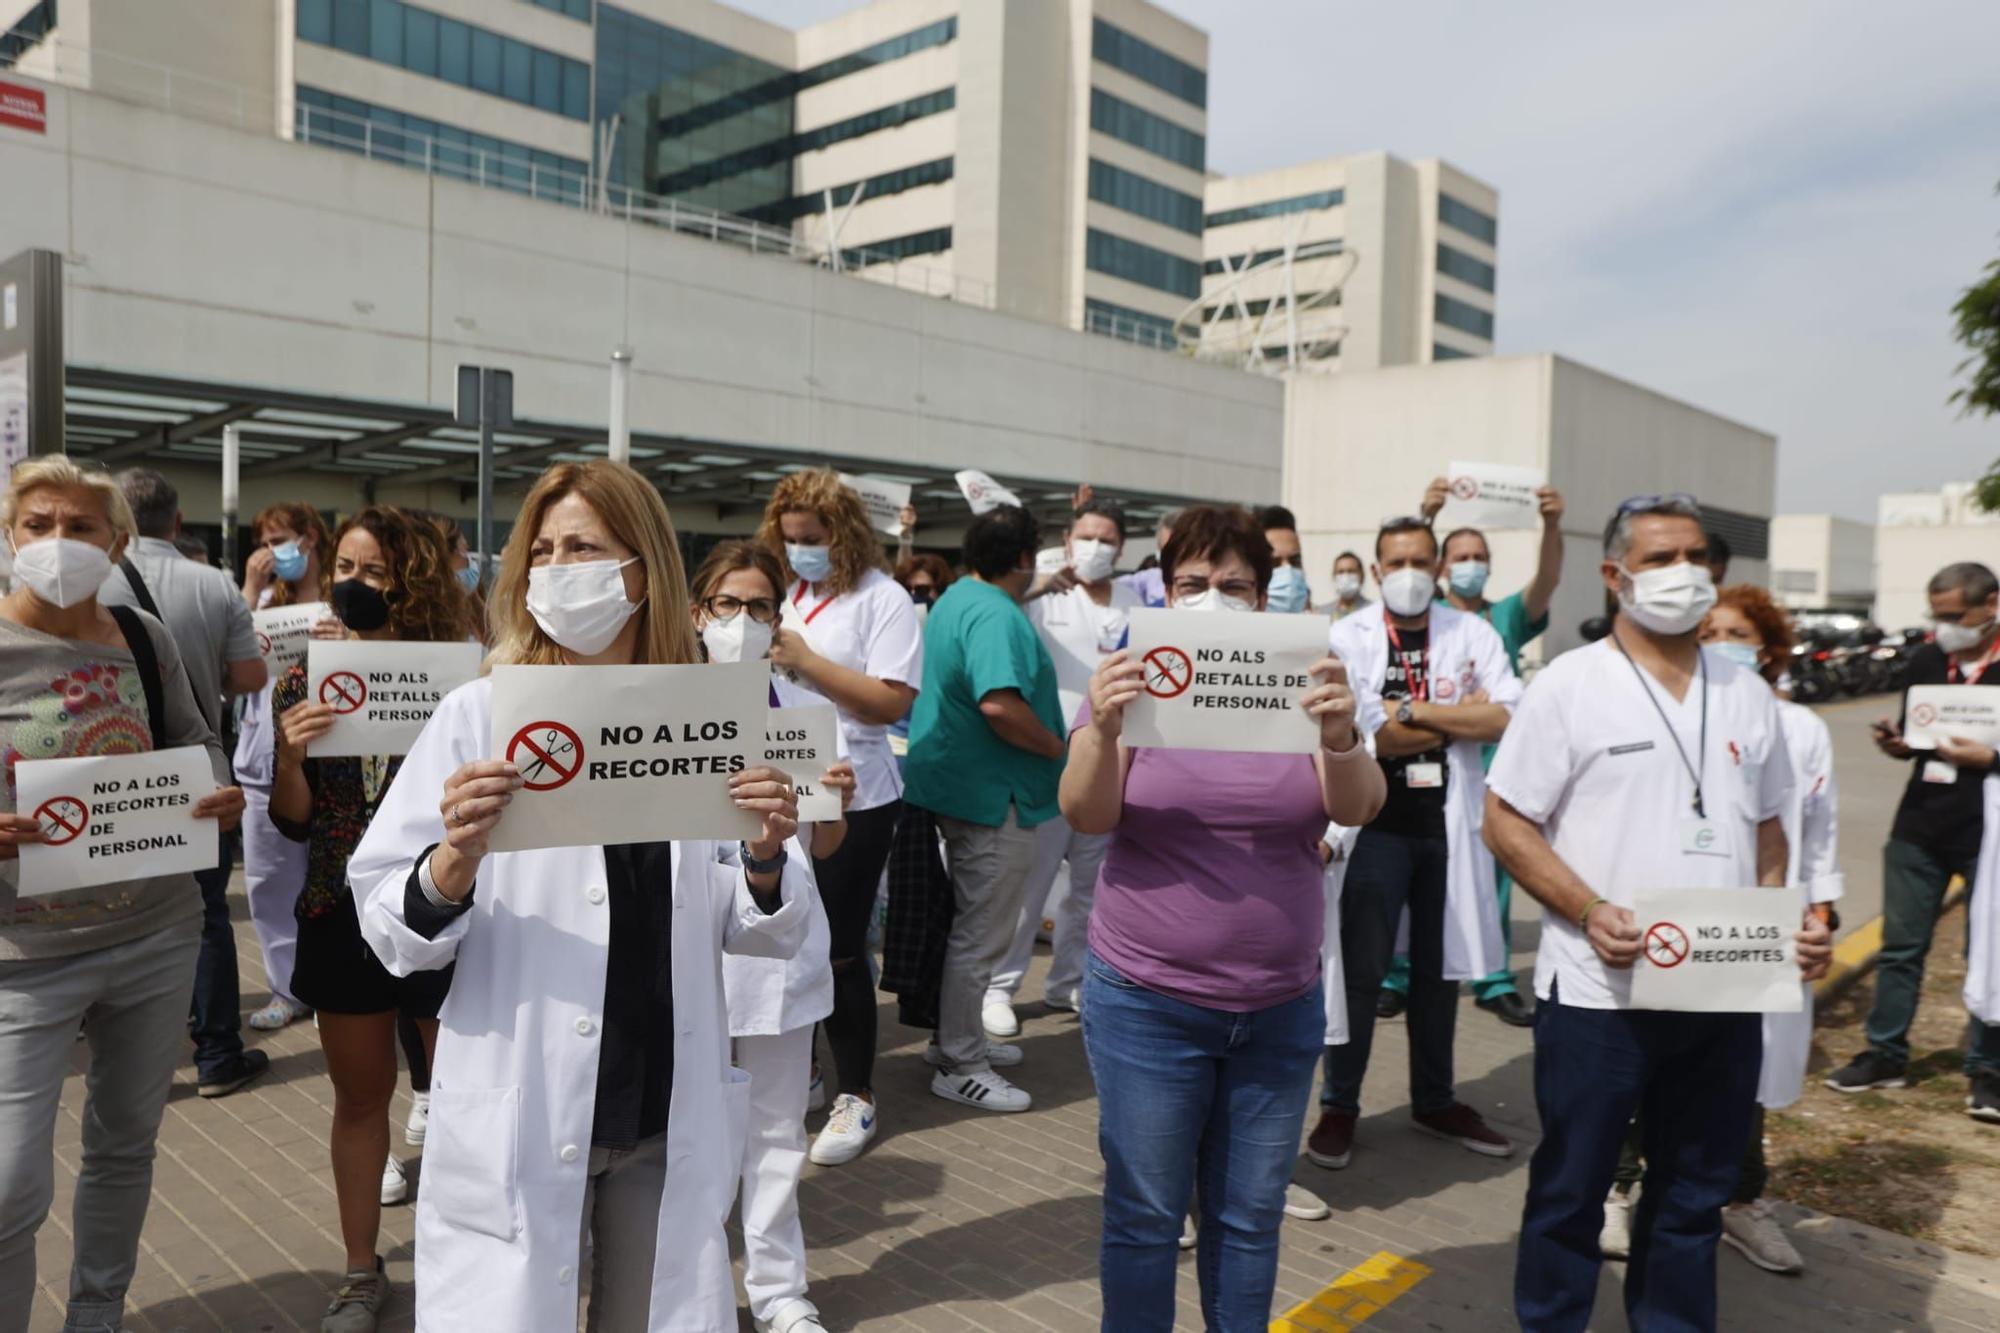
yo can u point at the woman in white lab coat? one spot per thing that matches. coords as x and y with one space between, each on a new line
583 1101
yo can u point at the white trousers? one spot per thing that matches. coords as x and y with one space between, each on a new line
1055 843
274 871
774 1157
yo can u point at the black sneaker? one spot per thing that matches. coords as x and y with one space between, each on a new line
1390 1003
1510 1008
1983 1101
1870 1069
234 1075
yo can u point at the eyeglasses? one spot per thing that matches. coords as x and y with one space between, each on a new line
1641 504
1191 586
763 610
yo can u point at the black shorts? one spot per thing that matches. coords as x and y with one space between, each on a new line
336 972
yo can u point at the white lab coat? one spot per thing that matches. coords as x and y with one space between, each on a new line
1465 654
513 1086
1332 970
1811 819
1982 971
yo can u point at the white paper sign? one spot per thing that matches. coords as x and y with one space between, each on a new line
113 817
884 501
616 754
284 631
1224 681
382 693
801 741
1718 951
1937 712
983 493
1492 497
1051 560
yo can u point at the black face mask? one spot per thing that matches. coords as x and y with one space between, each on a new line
922 597
360 607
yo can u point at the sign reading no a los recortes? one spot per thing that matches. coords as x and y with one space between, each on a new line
1224 681
1727 951
382 694
803 742
106 818
617 754
1937 712
284 631
1492 497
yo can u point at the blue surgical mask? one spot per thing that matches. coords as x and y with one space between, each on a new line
814 564
1468 578
468 578
1744 655
1288 590
288 561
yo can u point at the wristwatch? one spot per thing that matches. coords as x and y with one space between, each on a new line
756 867
1404 714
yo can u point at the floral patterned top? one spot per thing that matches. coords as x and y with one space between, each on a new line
346 792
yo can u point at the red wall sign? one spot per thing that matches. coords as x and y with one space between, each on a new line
24 107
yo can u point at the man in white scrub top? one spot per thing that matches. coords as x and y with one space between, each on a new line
1638 762
1080 618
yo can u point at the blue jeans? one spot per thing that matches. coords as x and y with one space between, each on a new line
1914 880
1188 1094
217 1008
1692 1081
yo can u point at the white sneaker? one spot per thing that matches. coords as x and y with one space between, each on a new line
395 1185
420 1119
848 1130
816 1091
1303 1204
1064 1002
1751 1229
999 1054
1187 1233
1616 1238
985 1090
998 1019
794 1316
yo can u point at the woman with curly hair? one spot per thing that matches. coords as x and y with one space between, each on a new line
392 580
850 633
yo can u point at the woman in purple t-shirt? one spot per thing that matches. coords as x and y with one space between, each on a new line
1202 1012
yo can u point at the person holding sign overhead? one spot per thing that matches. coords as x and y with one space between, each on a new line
81 678
1202 1011
851 634
1638 763
583 1107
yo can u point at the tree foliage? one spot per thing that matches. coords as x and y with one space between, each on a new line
1976 316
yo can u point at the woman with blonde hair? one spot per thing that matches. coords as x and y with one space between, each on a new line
81 678
850 633
583 1102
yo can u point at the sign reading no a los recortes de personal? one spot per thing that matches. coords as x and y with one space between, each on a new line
803 742
617 754
106 818
1224 681
284 631
1727 951
382 694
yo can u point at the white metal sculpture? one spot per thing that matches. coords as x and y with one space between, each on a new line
1257 319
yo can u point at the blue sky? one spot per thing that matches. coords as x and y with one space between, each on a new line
1765 208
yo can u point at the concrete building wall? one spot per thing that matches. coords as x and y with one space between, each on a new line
1818 560
1907 557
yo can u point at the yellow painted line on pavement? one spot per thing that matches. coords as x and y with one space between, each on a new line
1354 1297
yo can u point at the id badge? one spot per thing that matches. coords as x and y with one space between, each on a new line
1938 771
1701 837
1424 775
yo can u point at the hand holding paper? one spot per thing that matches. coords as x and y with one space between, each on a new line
1815 945
1614 933
767 793
475 796
1117 681
1332 702
15 831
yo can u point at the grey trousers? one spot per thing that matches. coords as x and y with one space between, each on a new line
989 882
621 1227
135 996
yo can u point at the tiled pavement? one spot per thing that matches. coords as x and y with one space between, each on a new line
957 1221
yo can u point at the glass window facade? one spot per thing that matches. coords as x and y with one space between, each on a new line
1255 309
1148 63
1308 252
422 42
1120 258
875 187
1122 321
1440 352
576 9
1149 199
935 241
1468 219
1142 129
778 153
1276 208
378 132
27 32
1465 268
1463 317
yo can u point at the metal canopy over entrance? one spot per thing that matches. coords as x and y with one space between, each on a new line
119 419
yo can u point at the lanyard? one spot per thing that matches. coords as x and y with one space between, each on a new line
825 603
1694 770
1973 674
1415 672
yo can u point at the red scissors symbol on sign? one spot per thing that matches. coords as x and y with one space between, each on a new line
1666 945
63 819
343 692
1169 672
547 753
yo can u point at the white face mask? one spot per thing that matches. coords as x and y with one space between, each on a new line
1213 599
737 639
1288 592
1092 559
1668 601
61 570
1408 592
581 606
1745 655
1953 637
1347 587
814 564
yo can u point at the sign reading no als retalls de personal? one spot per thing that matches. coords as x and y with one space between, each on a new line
618 754
1224 681
107 818
382 693
1939 712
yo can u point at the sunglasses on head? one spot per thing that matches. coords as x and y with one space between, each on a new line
1640 504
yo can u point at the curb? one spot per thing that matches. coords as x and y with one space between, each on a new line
1855 957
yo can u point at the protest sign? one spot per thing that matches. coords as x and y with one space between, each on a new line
616 754
1492 497
1718 951
884 501
114 817
284 631
983 493
1223 681
1938 712
801 741
383 692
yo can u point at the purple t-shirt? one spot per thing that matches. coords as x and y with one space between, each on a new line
1213 892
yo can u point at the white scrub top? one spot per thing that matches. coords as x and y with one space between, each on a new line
1078 634
871 629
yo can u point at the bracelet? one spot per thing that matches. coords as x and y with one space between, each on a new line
1583 918
756 867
